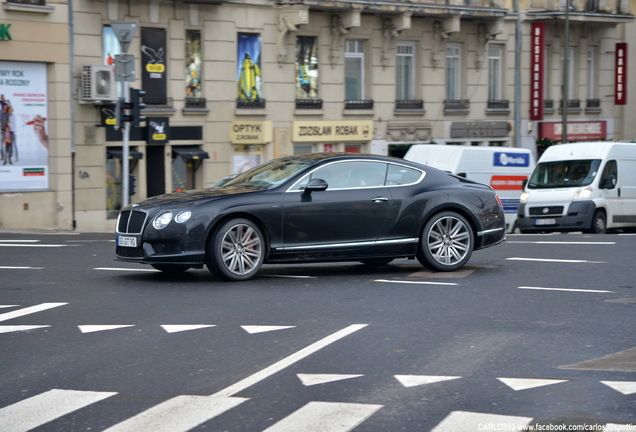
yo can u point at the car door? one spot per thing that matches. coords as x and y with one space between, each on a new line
351 213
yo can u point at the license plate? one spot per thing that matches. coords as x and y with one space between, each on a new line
127 241
545 222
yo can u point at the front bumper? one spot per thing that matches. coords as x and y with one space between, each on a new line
576 216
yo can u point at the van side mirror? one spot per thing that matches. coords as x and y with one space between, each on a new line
608 183
524 183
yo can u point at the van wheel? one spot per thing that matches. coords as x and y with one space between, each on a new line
599 223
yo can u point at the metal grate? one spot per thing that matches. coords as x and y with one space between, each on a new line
546 211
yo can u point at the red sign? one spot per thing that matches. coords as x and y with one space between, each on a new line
537 51
577 131
507 182
620 79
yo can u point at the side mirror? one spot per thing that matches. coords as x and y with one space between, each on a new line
524 183
315 185
608 183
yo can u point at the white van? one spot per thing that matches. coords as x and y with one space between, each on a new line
588 186
503 168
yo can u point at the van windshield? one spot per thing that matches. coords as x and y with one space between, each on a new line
562 174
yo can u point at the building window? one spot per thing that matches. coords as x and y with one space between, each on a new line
354 70
405 68
591 72
571 71
248 72
194 95
306 68
495 66
453 72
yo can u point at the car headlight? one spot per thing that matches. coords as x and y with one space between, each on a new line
183 216
582 193
523 197
162 220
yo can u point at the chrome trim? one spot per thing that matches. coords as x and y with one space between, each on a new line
342 245
423 174
481 233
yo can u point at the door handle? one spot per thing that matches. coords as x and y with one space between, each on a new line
379 199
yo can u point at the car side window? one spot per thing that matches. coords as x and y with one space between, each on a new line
609 177
401 175
349 175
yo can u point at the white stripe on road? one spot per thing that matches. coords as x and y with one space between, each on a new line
563 242
325 417
9 329
472 421
29 310
97 328
126 269
564 289
19 268
34 245
555 260
19 241
180 413
416 282
288 361
43 408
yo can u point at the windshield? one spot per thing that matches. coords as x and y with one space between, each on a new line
560 174
270 174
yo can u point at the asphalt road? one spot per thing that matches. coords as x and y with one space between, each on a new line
538 331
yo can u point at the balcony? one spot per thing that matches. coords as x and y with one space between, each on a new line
548 106
460 106
593 106
359 104
199 103
409 105
250 104
573 106
309 104
498 106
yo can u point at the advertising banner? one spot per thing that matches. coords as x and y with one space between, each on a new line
24 149
620 80
537 53
154 73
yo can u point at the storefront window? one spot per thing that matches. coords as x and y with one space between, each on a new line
186 161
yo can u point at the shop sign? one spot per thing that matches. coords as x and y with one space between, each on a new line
158 130
620 80
4 32
537 53
479 129
321 131
247 132
577 131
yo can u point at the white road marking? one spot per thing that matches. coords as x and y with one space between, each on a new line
291 276
29 310
20 268
34 245
251 329
45 407
9 329
180 413
625 387
96 328
564 289
288 361
471 421
8 306
418 380
563 242
126 269
527 383
415 282
555 260
315 379
179 328
19 241
325 417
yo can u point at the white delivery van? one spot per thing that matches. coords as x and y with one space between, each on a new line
502 168
587 186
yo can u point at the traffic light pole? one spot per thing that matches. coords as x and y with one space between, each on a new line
125 185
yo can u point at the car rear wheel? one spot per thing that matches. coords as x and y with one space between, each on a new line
446 243
236 251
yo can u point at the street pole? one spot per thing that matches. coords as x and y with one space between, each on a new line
125 185
517 75
566 78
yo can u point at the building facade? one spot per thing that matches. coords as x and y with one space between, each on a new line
231 84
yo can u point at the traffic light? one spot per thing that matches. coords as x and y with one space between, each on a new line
136 106
132 184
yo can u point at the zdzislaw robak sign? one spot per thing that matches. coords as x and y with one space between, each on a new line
330 131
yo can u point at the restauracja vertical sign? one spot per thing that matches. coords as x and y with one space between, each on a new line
537 48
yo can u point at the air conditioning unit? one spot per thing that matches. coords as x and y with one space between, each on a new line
98 84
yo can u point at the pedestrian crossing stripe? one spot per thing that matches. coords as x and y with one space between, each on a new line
527 383
314 379
472 421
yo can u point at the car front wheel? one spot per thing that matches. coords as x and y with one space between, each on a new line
236 251
446 243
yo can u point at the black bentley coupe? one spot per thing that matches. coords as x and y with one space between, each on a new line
312 208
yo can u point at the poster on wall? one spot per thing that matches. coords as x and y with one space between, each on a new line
193 64
24 149
306 67
154 73
248 72
246 157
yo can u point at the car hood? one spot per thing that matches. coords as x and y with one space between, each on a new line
190 198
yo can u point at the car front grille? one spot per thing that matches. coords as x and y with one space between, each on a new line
131 222
167 248
546 211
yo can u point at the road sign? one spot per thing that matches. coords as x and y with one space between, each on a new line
125 32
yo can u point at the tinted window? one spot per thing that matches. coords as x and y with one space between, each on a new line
349 175
401 175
